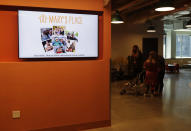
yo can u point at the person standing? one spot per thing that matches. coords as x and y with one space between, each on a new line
135 61
161 73
151 68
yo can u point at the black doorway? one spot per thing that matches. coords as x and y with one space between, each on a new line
149 44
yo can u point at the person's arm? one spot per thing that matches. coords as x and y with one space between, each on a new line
60 44
145 65
53 43
65 44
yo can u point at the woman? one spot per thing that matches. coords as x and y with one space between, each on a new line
136 61
151 68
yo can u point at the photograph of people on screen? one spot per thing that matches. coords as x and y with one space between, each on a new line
57 40
58 30
46 37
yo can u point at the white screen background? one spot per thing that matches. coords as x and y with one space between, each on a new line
30 44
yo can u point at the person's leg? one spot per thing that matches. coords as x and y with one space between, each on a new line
55 49
161 83
156 92
161 88
153 88
64 49
142 77
147 89
157 85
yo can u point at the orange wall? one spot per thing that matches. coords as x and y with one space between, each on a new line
9 36
52 93
63 4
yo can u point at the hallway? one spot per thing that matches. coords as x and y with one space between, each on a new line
171 112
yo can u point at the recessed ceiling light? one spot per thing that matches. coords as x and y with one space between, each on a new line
161 9
165 5
151 29
117 22
185 12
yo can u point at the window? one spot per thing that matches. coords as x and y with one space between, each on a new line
167 45
183 46
164 46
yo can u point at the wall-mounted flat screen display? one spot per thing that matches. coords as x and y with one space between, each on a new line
57 35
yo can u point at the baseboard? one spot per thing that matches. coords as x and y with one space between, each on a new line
78 127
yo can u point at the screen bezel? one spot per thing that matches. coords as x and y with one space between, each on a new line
98 13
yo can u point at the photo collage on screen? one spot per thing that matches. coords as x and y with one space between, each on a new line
58 40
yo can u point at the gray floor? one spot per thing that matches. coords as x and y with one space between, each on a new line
171 112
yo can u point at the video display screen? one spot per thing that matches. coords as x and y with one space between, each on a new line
57 35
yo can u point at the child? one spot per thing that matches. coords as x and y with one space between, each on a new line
48 47
58 46
150 66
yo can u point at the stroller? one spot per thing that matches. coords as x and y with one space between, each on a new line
135 86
